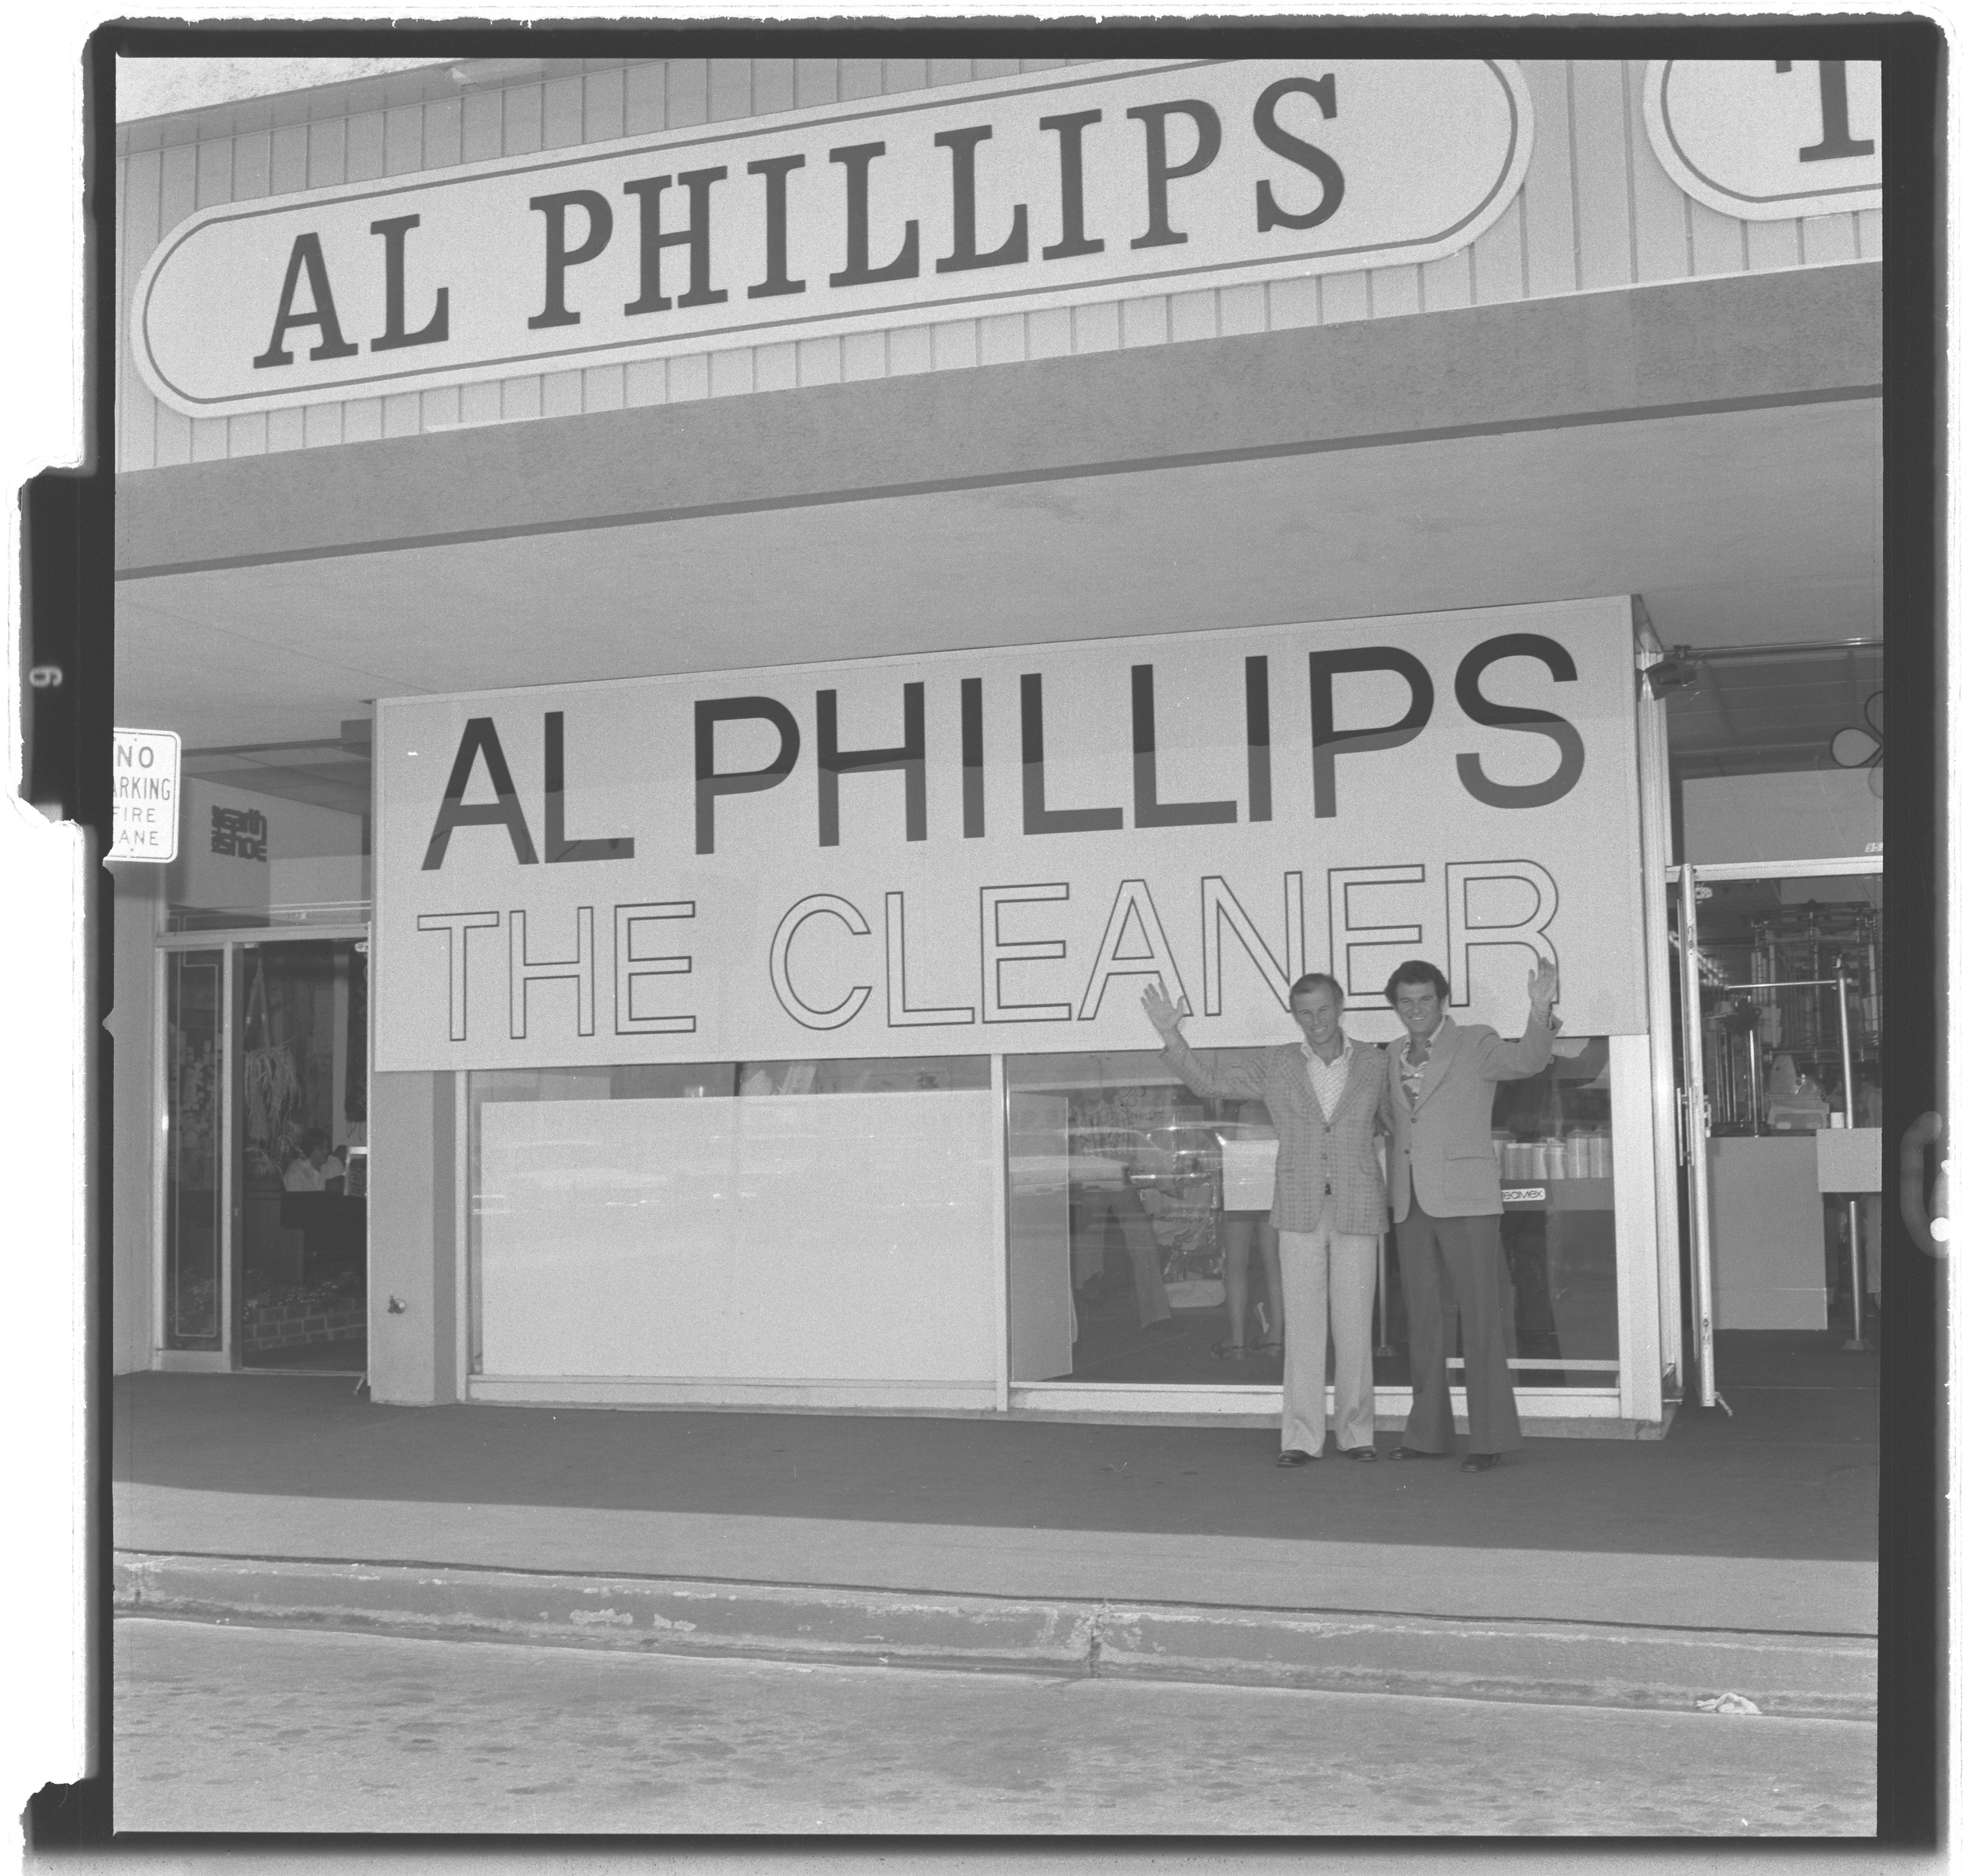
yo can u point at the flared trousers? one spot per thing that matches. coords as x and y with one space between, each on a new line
1466 1255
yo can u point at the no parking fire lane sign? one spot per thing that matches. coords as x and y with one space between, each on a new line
145 783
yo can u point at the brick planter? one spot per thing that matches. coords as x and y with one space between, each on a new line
290 1325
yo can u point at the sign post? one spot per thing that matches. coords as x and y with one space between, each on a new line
145 779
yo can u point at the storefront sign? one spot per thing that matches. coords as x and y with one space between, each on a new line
1768 139
143 765
1007 196
994 850
224 863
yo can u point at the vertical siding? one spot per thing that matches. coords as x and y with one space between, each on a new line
1550 198
1828 239
1444 283
176 193
1661 227
252 176
1603 233
1050 334
1498 258
1394 290
1240 309
773 86
1769 245
1597 211
1716 242
138 192
775 367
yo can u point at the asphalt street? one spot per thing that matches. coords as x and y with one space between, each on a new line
228 1729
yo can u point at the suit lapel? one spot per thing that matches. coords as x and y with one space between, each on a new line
1299 1090
1362 1075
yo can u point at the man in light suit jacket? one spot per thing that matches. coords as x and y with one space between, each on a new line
1444 1190
1329 1097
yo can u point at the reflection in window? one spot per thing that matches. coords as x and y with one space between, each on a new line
1152 1197
1147 1226
1554 1137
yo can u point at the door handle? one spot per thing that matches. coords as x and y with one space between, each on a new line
1927 1222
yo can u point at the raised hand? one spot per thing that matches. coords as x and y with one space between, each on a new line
1543 987
1159 1010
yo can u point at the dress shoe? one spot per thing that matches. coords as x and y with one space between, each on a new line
1416 1453
1361 1455
1293 1456
1478 1462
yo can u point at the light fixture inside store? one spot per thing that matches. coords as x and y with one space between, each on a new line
1859 747
1676 672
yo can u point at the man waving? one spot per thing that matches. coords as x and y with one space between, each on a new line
1444 1193
1328 1099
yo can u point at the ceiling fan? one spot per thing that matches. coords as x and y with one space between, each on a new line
1857 747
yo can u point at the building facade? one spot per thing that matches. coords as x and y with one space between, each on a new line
725 617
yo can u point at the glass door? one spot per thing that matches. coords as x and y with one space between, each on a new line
263 1238
301 1224
1780 1043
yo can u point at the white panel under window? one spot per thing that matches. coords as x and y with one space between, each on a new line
846 1238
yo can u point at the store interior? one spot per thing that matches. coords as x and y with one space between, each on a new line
1162 1254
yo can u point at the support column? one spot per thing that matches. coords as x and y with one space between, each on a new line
137 1116
413 1240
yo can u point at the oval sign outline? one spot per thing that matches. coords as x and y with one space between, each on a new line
1453 239
1787 205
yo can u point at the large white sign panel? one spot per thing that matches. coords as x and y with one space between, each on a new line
1768 139
993 850
727 1240
144 797
1005 196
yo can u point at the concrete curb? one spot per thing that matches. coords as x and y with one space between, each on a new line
1827 1677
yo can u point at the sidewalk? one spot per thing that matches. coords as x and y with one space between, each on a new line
1737 1549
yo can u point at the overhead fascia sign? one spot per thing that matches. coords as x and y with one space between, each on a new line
1006 196
993 850
1768 139
144 794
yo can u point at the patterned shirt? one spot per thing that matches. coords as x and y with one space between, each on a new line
1328 1079
1411 1072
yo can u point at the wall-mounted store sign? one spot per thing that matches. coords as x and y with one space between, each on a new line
989 850
1007 196
144 795
1768 139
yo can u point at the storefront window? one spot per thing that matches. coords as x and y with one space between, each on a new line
730 1227
1554 1137
193 1069
1137 1221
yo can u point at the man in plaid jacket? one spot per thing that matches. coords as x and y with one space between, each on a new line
1329 1097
